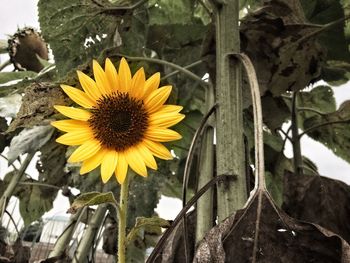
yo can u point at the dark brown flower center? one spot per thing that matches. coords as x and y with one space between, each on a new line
119 121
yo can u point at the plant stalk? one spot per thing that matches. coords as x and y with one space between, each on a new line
297 157
86 243
64 239
122 216
13 183
205 205
232 194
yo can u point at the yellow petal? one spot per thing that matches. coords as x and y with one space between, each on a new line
74 113
100 78
158 149
122 168
152 83
137 84
112 75
124 75
89 86
157 98
109 164
76 137
147 156
69 125
93 162
165 119
136 162
85 151
162 134
170 108
78 96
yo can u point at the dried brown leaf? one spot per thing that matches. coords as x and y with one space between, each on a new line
263 233
320 200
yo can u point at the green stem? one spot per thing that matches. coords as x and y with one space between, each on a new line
122 216
232 195
166 63
297 157
67 234
13 183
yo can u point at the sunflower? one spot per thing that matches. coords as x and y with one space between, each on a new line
123 121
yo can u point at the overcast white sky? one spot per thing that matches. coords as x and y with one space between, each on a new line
19 13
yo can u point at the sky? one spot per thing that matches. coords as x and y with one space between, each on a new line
20 13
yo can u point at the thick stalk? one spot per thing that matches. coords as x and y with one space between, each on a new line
229 119
86 243
206 172
297 157
205 218
122 216
13 183
64 239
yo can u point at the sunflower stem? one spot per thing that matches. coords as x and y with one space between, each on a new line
122 218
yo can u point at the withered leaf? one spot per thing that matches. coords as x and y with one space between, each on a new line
37 105
263 233
320 200
173 251
273 37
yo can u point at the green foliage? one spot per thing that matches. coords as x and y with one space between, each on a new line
33 203
169 12
17 75
146 225
76 30
92 198
29 140
335 133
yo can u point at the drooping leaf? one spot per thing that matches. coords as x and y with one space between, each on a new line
9 105
37 105
272 37
320 200
92 198
173 250
146 225
263 233
16 76
33 203
29 140
51 164
335 134
323 12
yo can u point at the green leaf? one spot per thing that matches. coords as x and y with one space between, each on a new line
336 72
320 98
33 203
76 30
146 225
52 163
92 198
29 140
323 12
275 111
336 137
17 75
168 12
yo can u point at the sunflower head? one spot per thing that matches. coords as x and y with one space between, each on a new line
121 122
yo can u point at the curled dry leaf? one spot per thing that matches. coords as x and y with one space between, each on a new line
174 251
318 199
37 105
263 233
